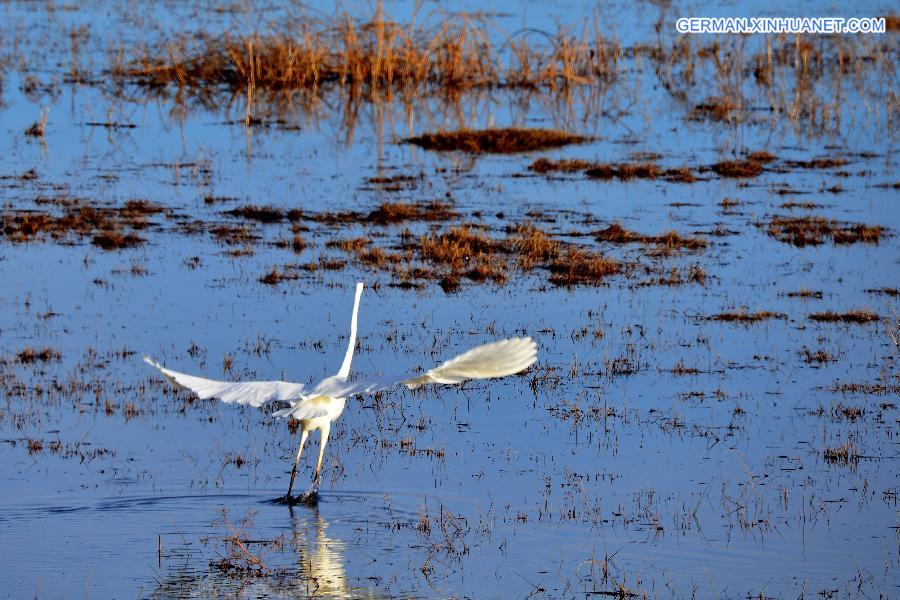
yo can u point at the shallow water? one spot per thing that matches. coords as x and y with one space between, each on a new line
650 449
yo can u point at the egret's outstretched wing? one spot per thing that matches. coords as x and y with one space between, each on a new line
254 393
497 359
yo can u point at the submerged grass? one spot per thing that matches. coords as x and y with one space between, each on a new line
107 227
747 317
667 242
496 141
814 230
852 316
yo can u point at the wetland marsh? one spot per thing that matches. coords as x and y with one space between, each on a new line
699 232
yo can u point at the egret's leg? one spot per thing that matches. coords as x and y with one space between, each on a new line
303 437
322 442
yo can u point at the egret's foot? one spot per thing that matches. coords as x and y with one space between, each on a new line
310 498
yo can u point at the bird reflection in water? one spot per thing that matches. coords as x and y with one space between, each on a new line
317 569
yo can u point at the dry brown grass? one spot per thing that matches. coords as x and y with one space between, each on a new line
233 235
565 165
112 240
825 162
761 156
886 291
624 171
33 355
496 141
311 53
861 315
533 245
806 293
813 230
747 317
738 168
581 267
262 214
107 227
845 454
667 242
394 212
819 356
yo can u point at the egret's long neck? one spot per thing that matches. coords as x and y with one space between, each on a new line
345 367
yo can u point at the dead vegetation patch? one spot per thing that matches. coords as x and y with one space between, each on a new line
496 141
466 251
311 52
806 293
581 267
395 212
886 291
624 171
817 357
233 234
800 205
743 316
762 156
825 162
607 171
261 214
814 230
107 227
875 389
845 454
738 168
112 240
565 165
32 355
533 245
852 316
848 413
666 243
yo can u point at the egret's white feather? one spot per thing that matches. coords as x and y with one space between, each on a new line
497 359
307 409
253 393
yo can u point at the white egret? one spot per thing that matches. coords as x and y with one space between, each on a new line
316 406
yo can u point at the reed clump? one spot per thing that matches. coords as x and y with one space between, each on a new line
313 52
